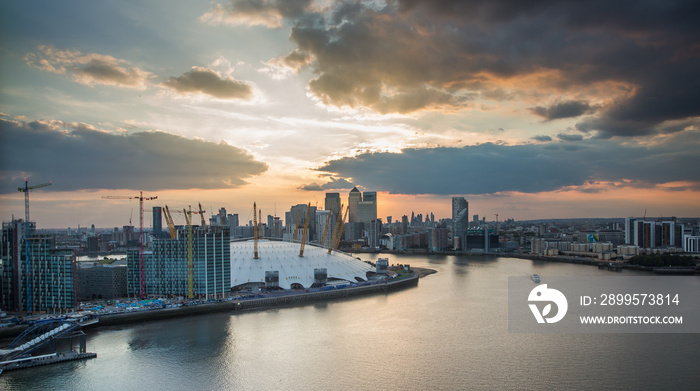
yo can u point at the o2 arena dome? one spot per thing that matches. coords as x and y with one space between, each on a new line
279 264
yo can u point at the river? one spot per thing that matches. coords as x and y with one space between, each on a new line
450 332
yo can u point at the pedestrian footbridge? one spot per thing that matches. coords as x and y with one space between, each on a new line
42 333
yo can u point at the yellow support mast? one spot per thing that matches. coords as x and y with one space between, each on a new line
306 227
335 231
325 231
340 233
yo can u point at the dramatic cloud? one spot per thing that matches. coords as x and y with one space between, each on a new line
567 109
569 137
541 138
78 156
530 168
629 65
88 68
333 184
283 66
208 81
268 13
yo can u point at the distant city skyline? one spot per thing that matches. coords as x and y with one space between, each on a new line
537 110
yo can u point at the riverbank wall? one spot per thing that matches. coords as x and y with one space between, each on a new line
256 303
252 304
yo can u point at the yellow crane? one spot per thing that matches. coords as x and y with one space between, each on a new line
201 215
306 227
188 218
171 224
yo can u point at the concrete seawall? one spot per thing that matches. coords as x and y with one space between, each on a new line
244 305
255 304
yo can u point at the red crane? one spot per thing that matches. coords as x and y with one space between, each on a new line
141 198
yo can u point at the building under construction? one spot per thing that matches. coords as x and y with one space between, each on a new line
194 264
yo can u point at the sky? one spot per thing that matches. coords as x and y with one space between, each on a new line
530 110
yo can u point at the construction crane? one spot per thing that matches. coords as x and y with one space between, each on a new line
188 219
306 227
201 215
26 189
171 224
141 198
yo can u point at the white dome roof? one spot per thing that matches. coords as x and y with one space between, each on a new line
284 257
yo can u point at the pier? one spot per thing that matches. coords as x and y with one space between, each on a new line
18 354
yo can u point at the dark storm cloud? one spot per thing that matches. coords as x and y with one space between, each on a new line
209 82
490 168
409 55
78 156
566 109
333 184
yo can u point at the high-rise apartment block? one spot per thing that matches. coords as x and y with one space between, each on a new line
460 218
166 265
651 234
374 233
51 271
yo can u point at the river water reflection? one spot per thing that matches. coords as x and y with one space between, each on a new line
450 332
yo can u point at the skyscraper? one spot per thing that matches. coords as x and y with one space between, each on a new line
223 217
157 221
460 219
333 203
370 196
353 199
366 212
